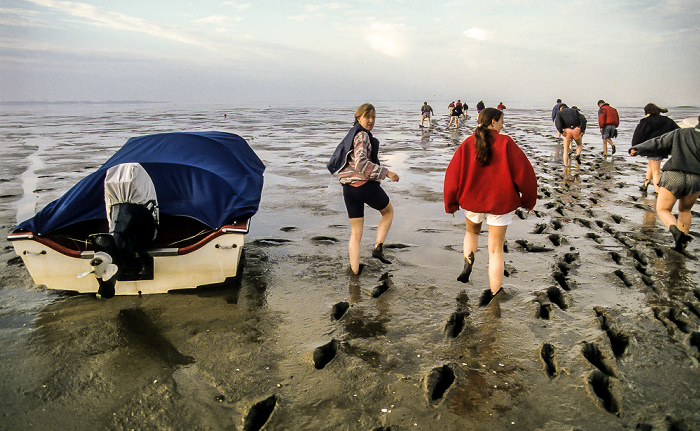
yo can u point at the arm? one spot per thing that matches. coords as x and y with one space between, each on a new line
523 175
559 123
659 146
582 119
362 163
453 176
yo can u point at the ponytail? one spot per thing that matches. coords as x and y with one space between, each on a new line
483 135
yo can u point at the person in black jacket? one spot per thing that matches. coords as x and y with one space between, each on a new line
572 125
652 125
680 179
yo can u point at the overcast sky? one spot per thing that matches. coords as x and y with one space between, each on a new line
522 52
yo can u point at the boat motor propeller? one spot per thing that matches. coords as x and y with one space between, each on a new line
105 272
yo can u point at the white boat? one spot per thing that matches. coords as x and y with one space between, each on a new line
208 186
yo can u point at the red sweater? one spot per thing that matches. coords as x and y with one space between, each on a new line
607 116
506 183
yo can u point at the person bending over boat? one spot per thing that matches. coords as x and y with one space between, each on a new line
359 171
680 178
489 177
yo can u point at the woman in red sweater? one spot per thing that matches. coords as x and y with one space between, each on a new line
489 177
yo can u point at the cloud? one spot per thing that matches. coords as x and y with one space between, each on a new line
92 15
477 34
386 39
237 5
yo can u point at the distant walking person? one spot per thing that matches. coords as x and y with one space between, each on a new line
680 179
571 124
501 106
555 111
425 110
357 163
652 125
454 116
489 176
608 120
480 106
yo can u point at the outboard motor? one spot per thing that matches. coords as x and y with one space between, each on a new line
132 214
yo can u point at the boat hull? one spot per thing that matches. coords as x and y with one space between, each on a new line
209 261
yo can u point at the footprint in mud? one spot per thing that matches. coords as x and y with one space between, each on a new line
326 353
149 338
531 248
556 296
439 381
694 342
540 228
557 239
622 276
270 242
259 414
616 218
583 222
385 284
604 389
560 277
289 228
339 310
557 224
598 359
619 341
456 323
594 236
397 246
325 239
547 352
616 257
543 308
674 317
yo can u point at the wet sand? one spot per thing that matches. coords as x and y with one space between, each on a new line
597 327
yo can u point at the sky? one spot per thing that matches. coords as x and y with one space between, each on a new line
521 52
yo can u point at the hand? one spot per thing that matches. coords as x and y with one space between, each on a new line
392 176
633 152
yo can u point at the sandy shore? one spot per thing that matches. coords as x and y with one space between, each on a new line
597 327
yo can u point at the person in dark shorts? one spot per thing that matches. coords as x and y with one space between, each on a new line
360 174
652 125
680 178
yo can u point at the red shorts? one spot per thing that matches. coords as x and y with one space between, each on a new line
572 133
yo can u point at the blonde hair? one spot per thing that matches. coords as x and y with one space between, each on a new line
365 110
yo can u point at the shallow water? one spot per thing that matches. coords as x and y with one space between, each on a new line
598 329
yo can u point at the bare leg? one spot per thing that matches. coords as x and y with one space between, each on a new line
685 204
471 239
471 243
655 166
579 146
567 147
385 223
356 227
497 237
664 205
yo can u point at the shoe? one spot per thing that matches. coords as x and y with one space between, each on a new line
646 184
378 253
681 239
613 148
466 272
578 158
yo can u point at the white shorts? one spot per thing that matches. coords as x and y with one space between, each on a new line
491 219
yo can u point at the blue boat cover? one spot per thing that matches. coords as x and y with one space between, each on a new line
214 177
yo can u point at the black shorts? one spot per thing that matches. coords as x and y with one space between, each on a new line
681 184
370 193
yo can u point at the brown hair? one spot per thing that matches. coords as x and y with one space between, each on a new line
482 134
652 109
365 110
